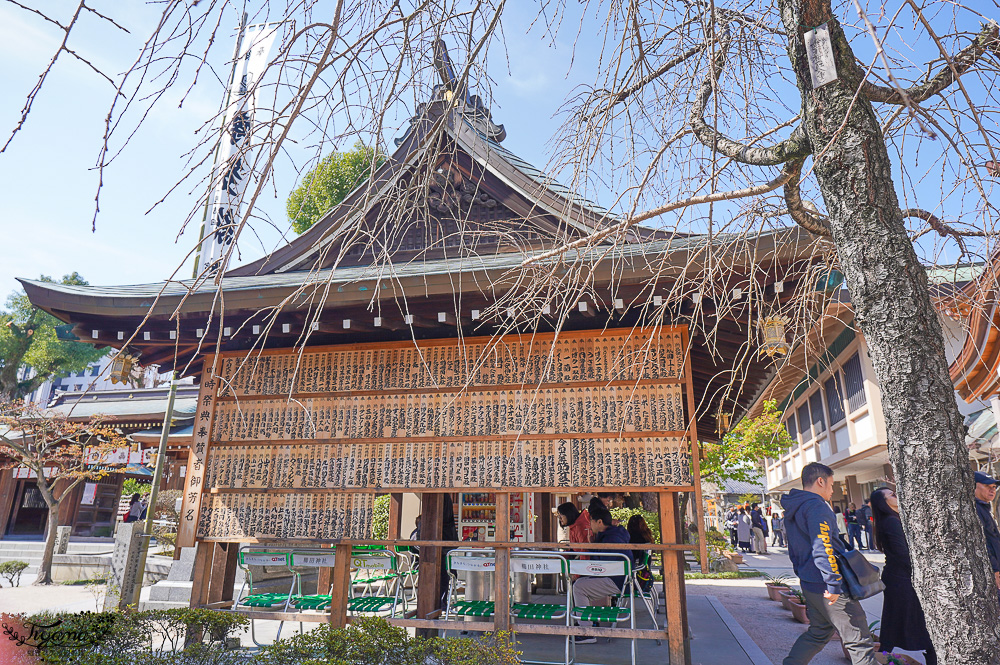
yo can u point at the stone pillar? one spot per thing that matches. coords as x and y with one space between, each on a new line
124 566
62 539
854 492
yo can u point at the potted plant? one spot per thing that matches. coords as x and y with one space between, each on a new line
775 585
786 598
798 603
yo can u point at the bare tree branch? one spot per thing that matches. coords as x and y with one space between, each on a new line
985 41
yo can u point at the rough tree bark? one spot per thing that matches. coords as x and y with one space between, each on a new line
890 296
45 566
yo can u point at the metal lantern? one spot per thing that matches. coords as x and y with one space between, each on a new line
722 421
773 331
121 368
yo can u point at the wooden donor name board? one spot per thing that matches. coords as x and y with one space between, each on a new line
300 453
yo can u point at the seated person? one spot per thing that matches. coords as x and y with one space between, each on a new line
577 522
592 591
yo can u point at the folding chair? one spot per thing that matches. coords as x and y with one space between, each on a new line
650 599
474 560
260 556
606 564
376 568
303 560
543 563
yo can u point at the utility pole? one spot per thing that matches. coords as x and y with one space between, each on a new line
161 455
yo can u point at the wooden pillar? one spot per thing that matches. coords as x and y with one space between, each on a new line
545 533
340 593
674 594
395 515
324 578
203 560
695 455
220 557
501 615
429 575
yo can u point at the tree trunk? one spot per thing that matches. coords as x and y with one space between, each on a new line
45 567
890 297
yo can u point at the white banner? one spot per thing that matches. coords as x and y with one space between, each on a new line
89 494
231 171
25 472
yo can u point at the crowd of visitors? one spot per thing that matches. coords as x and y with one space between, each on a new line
819 536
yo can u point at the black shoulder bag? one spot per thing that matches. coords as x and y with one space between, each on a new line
861 578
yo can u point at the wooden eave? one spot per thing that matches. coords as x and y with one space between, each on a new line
725 367
975 370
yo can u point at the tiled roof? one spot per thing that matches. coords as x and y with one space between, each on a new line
640 255
127 404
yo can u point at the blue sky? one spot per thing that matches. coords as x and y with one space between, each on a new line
47 176
47 173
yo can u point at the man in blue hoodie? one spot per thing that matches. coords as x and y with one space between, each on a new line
588 590
813 540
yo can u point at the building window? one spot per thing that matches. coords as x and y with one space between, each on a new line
854 383
94 370
816 406
834 399
78 386
790 426
804 422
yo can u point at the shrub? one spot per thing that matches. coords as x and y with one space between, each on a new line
380 518
168 637
372 641
165 535
652 519
12 571
128 637
132 486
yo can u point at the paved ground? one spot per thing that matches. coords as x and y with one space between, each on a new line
29 599
732 621
770 625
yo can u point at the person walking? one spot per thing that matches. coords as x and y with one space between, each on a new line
812 543
731 526
865 520
903 625
853 528
744 534
986 490
842 527
134 509
759 529
778 529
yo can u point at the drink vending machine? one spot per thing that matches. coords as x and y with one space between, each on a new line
477 516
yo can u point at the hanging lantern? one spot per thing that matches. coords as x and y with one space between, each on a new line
829 281
722 421
773 330
121 368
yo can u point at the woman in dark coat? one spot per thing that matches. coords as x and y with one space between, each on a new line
903 625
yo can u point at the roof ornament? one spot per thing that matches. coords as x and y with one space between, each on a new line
452 91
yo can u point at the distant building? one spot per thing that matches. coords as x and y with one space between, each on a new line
92 507
831 402
95 376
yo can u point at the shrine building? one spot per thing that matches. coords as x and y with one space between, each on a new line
389 350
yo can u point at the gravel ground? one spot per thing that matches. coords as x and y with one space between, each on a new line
767 622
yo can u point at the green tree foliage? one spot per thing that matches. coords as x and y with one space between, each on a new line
740 455
336 176
28 337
